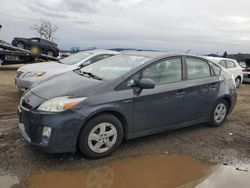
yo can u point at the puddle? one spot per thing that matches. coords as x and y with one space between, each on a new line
150 171
145 171
8 181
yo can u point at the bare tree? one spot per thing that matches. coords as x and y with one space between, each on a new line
45 29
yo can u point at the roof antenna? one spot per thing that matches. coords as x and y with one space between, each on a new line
188 51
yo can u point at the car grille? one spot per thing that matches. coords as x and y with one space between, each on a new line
19 73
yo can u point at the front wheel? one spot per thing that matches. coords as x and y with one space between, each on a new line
219 114
20 45
100 136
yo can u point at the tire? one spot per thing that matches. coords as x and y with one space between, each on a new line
238 82
20 45
221 109
1 61
95 142
50 53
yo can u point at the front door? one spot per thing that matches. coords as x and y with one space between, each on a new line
162 105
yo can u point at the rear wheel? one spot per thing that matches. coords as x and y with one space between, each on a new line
219 114
100 136
237 82
20 45
50 53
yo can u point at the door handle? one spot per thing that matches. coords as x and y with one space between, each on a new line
180 94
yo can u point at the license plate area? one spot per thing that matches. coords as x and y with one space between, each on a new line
11 58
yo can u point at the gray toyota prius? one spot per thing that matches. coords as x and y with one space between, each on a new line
126 96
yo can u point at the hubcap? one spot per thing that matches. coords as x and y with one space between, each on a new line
220 112
237 81
50 53
20 45
102 137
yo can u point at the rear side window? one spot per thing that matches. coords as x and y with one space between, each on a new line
216 69
223 64
197 68
230 64
165 71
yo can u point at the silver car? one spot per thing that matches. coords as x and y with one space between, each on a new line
30 74
231 65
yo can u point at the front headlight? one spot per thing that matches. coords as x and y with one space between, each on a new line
33 74
60 104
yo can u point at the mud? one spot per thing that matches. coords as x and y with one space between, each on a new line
145 171
227 144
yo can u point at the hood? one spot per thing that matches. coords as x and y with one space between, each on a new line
46 66
66 84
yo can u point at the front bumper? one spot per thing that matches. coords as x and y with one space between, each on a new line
65 126
246 76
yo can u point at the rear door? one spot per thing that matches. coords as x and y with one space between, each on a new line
202 86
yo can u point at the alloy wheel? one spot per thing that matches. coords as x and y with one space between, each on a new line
50 53
220 112
20 45
102 137
237 82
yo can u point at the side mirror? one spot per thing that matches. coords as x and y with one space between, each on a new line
146 83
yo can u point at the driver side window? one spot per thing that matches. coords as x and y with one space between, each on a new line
165 71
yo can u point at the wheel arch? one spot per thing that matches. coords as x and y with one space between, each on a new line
227 99
113 112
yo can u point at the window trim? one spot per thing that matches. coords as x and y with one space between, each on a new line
209 62
212 73
120 86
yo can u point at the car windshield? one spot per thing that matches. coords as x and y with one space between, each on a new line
75 58
115 66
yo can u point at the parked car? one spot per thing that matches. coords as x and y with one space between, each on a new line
246 71
46 47
232 66
126 96
30 74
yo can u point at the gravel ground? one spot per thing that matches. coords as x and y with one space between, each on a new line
227 144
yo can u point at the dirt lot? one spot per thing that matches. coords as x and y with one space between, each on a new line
227 144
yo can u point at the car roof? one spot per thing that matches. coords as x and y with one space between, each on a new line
157 54
216 59
101 51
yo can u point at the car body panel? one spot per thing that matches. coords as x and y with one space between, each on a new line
141 113
246 70
236 70
51 69
42 44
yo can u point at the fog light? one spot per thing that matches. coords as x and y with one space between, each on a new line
46 134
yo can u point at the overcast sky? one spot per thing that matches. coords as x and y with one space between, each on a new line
204 26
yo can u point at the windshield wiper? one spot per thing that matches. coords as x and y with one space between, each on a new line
90 74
